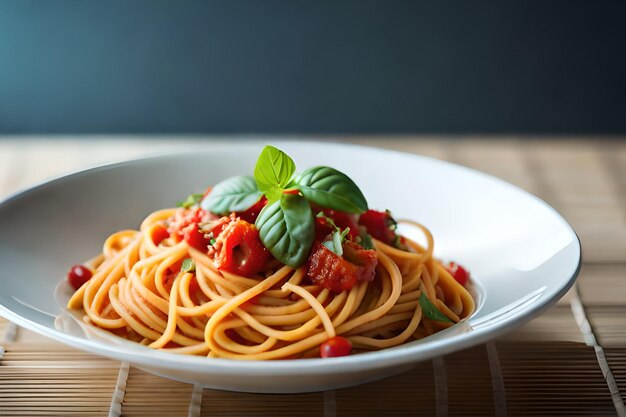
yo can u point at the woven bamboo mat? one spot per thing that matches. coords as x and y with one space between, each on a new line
569 361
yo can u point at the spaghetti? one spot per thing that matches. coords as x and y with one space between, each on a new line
162 290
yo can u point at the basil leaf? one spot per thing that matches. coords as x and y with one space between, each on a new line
191 200
273 171
330 188
430 311
188 265
232 194
286 228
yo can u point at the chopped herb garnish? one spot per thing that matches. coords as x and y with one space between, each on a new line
365 239
430 311
391 222
336 243
188 265
191 200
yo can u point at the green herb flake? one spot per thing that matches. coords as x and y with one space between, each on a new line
364 238
188 265
430 311
191 200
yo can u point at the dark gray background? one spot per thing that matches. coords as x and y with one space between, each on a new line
312 66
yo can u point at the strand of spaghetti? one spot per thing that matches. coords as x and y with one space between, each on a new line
412 281
250 334
166 259
465 297
351 304
396 279
185 298
170 329
427 285
430 245
446 311
393 341
106 281
230 345
215 274
155 217
386 288
108 264
292 318
288 335
231 305
404 307
117 242
381 322
137 326
280 353
197 349
138 307
319 309
153 299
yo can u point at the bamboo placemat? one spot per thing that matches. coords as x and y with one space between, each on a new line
569 361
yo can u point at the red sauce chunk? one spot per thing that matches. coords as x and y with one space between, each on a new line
159 234
239 250
340 273
78 275
335 347
460 274
379 224
196 238
342 221
186 219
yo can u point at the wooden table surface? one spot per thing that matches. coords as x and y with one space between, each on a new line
569 361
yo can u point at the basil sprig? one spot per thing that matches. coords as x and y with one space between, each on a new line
431 311
286 224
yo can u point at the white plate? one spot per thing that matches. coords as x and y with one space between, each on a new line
521 253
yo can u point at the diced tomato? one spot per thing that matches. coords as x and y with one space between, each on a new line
252 213
174 269
159 234
194 287
379 225
239 249
329 270
196 239
342 221
460 274
335 347
78 275
181 220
